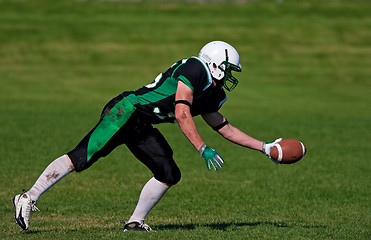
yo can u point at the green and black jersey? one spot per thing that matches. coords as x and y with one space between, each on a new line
156 100
127 119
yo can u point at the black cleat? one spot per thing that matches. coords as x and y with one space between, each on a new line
136 226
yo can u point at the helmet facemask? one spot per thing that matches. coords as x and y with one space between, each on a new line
229 81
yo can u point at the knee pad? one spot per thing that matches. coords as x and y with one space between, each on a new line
170 176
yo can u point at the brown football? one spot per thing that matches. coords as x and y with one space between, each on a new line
288 151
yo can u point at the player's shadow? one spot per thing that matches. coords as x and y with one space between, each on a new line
230 226
34 232
227 225
220 226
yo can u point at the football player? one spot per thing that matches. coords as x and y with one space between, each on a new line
190 87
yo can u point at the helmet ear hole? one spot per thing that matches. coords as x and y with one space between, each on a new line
214 66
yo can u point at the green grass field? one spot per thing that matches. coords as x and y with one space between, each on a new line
306 75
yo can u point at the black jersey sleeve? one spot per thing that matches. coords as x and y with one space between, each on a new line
194 74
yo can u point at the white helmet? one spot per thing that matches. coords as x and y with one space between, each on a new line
221 58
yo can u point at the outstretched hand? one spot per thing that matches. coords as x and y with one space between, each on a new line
267 146
211 157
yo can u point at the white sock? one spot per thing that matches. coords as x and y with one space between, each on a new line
56 170
151 194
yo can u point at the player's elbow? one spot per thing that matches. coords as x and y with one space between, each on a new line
227 131
182 114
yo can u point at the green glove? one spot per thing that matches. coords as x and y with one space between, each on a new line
211 157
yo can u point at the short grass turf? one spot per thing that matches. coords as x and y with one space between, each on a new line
306 75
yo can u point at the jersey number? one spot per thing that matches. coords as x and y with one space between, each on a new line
154 83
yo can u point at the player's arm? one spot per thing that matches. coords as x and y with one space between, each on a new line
183 102
231 133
